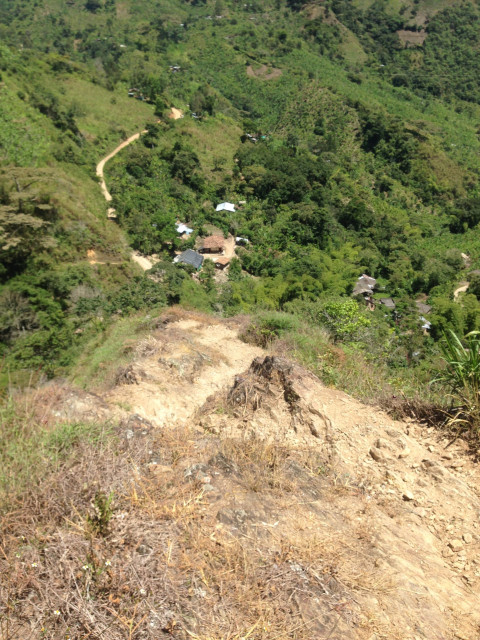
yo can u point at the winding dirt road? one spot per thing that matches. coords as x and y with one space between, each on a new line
144 262
101 165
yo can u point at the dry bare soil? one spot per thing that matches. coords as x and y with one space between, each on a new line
263 72
248 501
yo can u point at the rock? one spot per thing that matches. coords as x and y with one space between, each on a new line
434 468
408 496
456 545
377 455
447 456
381 443
207 488
404 453
467 538
390 475
393 433
431 448
196 471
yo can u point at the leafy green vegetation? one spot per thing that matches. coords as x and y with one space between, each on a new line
462 375
348 131
27 450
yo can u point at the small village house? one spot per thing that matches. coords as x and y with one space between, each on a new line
422 308
190 257
225 206
364 288
388 303
222 263
213 244
182 229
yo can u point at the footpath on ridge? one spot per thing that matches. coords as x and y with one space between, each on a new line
284 502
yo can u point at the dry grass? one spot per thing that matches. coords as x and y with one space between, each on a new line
121 539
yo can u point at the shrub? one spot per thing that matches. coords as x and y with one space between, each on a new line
266 328
462 376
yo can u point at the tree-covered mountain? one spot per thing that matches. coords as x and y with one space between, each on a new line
349 130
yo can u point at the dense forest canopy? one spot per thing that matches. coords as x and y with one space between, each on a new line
349 131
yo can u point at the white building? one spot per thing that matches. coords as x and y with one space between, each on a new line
225 206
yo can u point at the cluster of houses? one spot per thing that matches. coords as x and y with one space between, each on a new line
211 245
365 287
214 244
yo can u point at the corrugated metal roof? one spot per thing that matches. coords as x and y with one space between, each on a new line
182 228
387 302
190 257
225 206
423 308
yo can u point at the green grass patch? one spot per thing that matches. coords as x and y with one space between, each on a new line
29 451
109 350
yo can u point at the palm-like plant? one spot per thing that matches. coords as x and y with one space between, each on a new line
462 375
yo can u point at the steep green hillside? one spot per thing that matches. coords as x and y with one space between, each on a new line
366 159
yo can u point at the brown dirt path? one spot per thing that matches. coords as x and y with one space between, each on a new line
144 262
190 361
461 289
372 518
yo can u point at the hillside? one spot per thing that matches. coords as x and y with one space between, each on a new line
352 146
216 490
239 319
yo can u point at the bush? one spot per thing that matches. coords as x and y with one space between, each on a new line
462 376
266 328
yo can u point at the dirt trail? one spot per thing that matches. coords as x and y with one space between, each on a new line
229 251
144 262
176 114
189 362
355 526
101 165
461 289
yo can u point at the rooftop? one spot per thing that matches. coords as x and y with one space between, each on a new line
387 302
423 308
214 242
225 206
190 257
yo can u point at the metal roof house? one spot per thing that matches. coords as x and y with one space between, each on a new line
364 285
388 302
190 257
225 206
423 308
183 229
221 263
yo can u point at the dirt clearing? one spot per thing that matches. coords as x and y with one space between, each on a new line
263 72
